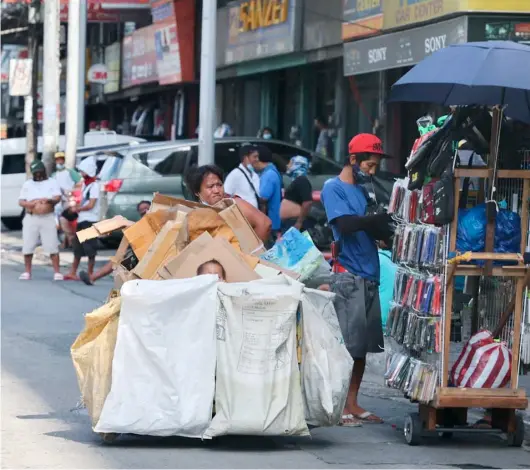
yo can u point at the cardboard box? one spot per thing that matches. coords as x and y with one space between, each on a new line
104 227
142 234
121 276
237 270
287 272
248 240
164 202
163 248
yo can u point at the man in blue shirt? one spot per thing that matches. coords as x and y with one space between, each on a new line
270 187
356 268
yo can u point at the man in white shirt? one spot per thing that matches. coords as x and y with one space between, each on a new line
38 197
243 181
88 214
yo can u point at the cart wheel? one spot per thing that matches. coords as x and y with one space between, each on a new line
109 437
516 439
413 429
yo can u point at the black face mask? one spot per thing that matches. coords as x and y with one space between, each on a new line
39 177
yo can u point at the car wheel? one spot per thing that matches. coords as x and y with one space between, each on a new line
12 223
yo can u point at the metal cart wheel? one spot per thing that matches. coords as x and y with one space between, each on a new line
413 429
516 439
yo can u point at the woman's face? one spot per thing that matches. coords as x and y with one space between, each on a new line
212 190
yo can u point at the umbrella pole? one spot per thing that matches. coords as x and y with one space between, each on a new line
491 205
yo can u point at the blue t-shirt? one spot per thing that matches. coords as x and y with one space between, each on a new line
358 250
270 189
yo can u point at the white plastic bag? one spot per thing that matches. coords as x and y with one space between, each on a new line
326 363
258 381
163 372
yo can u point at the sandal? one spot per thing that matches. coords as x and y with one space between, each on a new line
369 418
70 277
83 275
25 277
349 421
58 277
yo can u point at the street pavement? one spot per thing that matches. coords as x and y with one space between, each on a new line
41 427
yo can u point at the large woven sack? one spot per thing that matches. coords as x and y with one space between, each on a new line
92 354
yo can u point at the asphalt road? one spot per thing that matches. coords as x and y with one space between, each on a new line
40 320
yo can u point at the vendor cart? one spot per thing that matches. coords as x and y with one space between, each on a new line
445 413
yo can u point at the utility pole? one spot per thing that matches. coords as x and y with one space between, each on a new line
75 79
51 82
207 82
31 100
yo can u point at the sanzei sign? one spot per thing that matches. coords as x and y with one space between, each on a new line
259 28
402 49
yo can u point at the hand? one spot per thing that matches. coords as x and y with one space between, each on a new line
325 287
30 205
298 226
382 245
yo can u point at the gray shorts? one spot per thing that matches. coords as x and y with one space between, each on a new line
359 314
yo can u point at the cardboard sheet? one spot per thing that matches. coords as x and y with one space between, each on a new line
104 227
163 247
237 270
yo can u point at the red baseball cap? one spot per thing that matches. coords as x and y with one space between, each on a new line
366 143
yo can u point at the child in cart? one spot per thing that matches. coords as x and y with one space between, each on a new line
212 267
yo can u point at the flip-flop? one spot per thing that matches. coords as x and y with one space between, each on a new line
83 275
58 277
369 418
25 277
70 277
349 421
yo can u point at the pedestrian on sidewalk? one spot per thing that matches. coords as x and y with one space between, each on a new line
68 179
142 208
243 181
38 197
270 186
325 143
356 271
88 214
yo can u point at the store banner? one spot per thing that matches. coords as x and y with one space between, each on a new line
259 28
11 51
402 49
399 13
139 58
112 61
166 42
362 18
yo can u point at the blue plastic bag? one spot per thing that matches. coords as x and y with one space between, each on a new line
471 233
386 283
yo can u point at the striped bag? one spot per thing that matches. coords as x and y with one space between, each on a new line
483 363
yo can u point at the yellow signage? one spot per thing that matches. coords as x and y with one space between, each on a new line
397 13
260 14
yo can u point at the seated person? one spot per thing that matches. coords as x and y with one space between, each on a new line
212 267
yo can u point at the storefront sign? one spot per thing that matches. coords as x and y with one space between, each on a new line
404 12
362 18
112 61
139 58
402 49
259 28
20 77
98 73
166 42
9 52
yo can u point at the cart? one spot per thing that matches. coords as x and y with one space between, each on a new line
447 413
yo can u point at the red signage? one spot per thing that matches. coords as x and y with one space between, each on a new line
139 58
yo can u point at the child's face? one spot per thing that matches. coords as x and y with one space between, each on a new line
212 268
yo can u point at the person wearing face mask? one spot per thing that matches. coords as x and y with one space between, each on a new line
243 181
68 180
298 197
206 183
266 133
356 271
38 197
88 214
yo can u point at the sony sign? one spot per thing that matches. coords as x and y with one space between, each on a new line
377 55
435 43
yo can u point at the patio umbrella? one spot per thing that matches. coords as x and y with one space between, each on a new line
476 73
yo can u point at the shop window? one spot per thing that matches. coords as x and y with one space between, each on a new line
227 156
13 164
166 162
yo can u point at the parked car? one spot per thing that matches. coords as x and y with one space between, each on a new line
131 174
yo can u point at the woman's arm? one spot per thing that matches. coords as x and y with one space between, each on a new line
304 211
257 219
88 206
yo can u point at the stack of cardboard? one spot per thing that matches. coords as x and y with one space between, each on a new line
176 236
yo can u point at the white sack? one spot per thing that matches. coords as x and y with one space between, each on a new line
326 363
258 381
163 372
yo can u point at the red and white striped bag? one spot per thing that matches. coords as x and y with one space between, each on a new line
483 363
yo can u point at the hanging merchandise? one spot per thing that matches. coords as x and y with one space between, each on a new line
471 232
404 204
417 245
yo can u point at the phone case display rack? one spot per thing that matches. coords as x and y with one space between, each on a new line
420 316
